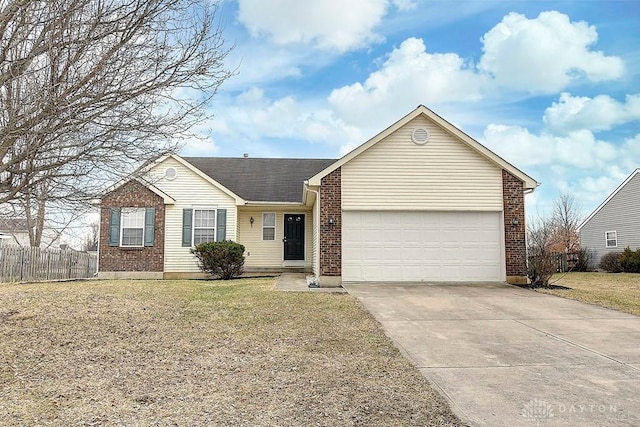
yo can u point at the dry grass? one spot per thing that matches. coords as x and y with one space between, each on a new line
156 353
620 291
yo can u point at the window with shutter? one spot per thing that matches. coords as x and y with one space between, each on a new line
204 225
269 226
132 225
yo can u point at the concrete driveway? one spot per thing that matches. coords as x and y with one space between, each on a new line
506 356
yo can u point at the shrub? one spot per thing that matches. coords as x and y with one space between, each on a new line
630 261
583 260
541 263
224 260
540 268
611 262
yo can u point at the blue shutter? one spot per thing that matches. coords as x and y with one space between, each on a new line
221 225
149 226
114 227
187 220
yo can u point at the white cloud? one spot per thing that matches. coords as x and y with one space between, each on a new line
578 149
200 142
260 64
577 163
593 190
631 153
545 54
409 77
251 118
405 5
329 24
599 113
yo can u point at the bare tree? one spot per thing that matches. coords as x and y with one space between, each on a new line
91 239
566 218
546 236
92 89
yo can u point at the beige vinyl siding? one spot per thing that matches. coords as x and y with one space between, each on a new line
190 191
443 174
270 253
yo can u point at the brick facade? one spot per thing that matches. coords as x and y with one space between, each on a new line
114 258
514 227
331 234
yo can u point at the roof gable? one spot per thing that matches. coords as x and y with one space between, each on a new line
611 196
211 180
462 137
168 200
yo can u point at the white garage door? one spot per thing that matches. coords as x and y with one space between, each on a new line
421 246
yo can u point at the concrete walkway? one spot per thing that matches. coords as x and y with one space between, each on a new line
297 282
506 356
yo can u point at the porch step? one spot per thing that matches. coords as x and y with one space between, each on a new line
280 270
295 270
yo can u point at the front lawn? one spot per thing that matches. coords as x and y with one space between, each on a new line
201 353
620 291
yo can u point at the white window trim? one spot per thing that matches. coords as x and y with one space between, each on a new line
131 209
606 239
275 225
193 224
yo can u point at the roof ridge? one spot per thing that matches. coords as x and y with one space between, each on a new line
258 158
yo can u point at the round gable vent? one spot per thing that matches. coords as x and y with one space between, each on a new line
170 173
420 136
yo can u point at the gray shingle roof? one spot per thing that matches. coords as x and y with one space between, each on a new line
261 180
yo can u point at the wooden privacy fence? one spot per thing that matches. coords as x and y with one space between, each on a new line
565 261
20 264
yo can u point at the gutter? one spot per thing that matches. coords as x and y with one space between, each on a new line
531 190
261 203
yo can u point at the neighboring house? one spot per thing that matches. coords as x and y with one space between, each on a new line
14 231
614 224
421 201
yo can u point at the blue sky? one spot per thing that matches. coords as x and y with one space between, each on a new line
553 87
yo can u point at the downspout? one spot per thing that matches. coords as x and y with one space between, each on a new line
316 223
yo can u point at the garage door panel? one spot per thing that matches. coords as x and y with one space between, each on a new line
391 236
373 252
352 234
422 246
392 255
372 235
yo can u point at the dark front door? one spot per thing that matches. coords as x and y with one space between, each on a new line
293 237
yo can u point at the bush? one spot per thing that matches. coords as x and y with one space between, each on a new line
583 260
611 262
540 267
630 261
224 260
541 263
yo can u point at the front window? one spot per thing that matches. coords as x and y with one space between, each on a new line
204 226
132 227
268 226
611 239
